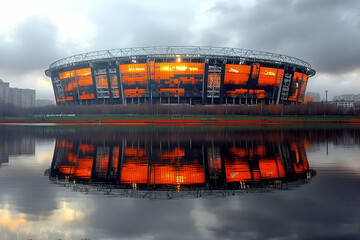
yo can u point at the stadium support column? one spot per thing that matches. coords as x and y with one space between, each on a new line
94 84
299 88
150 67
121 87
205 162
205 82
221 100
303 97
109 85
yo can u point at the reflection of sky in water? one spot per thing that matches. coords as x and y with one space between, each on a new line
327 208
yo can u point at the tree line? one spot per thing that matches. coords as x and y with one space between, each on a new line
7 110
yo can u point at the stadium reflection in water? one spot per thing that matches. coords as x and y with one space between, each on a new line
192 166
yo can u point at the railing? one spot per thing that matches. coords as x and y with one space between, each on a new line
182 51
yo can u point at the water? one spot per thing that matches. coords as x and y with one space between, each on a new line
183 182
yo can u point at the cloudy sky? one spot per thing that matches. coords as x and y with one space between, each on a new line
325 33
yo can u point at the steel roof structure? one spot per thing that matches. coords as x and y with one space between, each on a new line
191 51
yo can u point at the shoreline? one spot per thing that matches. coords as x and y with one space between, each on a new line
158 120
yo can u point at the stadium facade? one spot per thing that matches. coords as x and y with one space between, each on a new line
179 75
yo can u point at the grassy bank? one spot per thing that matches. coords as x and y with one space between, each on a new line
180 119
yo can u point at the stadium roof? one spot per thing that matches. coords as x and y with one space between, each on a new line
193 51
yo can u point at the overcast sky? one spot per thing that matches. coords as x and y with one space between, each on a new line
325 33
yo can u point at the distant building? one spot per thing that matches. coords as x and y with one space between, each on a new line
4 91
347 97
15 146
19 97
44 102
347 100
344 104
312 97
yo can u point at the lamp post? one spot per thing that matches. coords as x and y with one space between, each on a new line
326 91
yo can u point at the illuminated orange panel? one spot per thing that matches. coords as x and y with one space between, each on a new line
134 76
270 77
238 92
174 154
80 77
84 167
299 83
178 174
129 93
115 158
255 71
134 172
135 166
303 86
237 74
300 164
237 170
182 75
173 91
269 168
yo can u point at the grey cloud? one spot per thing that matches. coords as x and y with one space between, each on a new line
307 212
135 24
324 33
34 43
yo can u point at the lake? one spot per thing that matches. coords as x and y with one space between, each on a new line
180 182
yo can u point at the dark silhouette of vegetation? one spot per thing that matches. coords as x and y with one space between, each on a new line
319 109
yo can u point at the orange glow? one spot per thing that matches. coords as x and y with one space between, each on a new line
115 158
134 79
170 76
173 91
298 84
78 78
237 170
238 92
134 172
129 93
270 77
271 168
300 161
236 74
247 163
175 154
241 91
78 163
255 71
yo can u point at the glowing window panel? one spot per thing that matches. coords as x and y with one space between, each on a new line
134 79
129 93
255 71
271 168
298 87
187 77
237 170
135 166
236 74
178 174
77 161
77 82
270 77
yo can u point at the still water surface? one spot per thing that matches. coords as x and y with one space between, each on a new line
195 182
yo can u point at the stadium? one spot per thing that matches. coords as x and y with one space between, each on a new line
179 75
